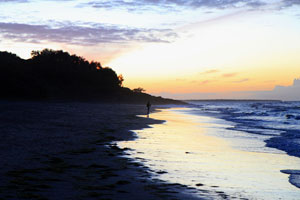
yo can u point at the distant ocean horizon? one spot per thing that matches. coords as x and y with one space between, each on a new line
191 100
278 93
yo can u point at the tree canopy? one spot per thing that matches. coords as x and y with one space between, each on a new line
51 74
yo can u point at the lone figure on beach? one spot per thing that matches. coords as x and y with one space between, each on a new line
148 108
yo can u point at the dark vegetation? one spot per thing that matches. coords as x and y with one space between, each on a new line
57 75
139 90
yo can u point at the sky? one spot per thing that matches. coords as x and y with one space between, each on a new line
184 49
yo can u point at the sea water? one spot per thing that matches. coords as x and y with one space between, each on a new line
247 149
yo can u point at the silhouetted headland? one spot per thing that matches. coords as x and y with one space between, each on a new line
57 75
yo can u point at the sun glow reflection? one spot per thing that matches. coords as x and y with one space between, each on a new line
187 148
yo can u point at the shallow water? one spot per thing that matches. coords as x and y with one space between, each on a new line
196 149
263 118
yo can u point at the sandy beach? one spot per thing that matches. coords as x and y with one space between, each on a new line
113 151
66 151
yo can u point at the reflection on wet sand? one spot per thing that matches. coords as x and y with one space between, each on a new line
192 154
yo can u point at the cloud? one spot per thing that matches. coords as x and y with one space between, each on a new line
210 71
241 81
180 79
89 34
229 75
14 1
205 82
281 92
226 3
288 93
138 5
171 5
289 3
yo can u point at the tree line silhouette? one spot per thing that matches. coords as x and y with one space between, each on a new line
51 74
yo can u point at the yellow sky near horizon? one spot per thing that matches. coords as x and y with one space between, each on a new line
246 53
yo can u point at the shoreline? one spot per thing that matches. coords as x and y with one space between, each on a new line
71 150
66 150
177 156
273 142
282 141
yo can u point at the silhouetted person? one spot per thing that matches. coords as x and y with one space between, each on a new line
148 108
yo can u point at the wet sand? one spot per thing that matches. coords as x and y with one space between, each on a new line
67 151
198 151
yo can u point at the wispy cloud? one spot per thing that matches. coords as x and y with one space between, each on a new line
291 2
205 82
241 81
132 5
229 75
212 71
82 35
14 1
180 79
138 5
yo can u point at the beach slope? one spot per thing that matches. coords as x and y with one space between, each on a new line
66 151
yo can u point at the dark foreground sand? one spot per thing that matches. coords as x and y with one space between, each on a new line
66 151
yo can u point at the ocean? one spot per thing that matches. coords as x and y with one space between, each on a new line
278 119
225 149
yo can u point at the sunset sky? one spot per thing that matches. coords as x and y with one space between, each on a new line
167 46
